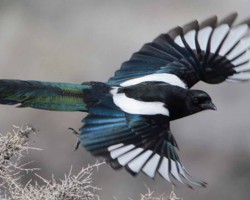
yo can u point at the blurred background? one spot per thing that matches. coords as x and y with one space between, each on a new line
80 40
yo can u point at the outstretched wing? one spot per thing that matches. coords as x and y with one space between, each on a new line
138 143
210 51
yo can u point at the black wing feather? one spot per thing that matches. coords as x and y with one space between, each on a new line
132 141
174 54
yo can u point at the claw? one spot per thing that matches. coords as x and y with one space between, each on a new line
78 141
77 145
74 131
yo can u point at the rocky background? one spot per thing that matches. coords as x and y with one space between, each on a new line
80 40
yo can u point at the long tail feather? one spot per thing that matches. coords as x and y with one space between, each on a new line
48 95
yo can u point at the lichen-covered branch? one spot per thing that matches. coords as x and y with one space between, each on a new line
14 146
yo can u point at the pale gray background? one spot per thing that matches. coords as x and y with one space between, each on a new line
76 41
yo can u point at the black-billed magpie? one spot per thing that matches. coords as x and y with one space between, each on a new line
129 115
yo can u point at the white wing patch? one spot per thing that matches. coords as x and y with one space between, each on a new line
119 151
136 164
174 170
137 159
179 41
163 77
233 37
231 42
203 37
164 169
242 68
113 147
190 38
218 35
124 159
240 76
242 59
242 46
151 166
132 106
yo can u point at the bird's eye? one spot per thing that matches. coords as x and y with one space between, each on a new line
196 100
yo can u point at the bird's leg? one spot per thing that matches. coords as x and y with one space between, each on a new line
78 141
173 196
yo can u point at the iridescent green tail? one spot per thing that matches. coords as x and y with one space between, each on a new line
51 96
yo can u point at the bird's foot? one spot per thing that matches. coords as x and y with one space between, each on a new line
78 142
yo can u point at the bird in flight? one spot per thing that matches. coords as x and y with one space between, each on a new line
129 116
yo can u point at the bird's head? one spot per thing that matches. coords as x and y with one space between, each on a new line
183 102
198 101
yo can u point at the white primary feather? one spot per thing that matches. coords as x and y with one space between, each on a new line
235 34
136 164
243 68
174 171
163 77
218 35
113 147
150 167
124 159
240 76
181 170
203 37
243 45
190 39
118 152
133 106
232 81
233 37
178 41
244 58
163 169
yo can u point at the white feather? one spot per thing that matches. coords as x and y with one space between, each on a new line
243 58
178 41
243 45
113 147
150 167
233 37
243 67
163 169
117 152
181 171
174 171
190 39
163 77
218 35
232 81
241 76
133 106
203 36
124 159
136 164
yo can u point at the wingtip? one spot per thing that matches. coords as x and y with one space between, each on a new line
245 21
210 22
229 19
175 32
